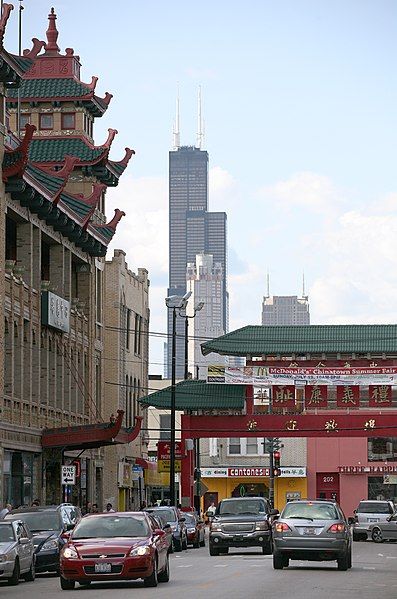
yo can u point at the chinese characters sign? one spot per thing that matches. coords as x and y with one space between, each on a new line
283 396
347 396
55 311
380 395
316 396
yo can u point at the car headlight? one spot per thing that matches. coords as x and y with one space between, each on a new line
49 545
143 550
69 552
7 557
262 525
215 527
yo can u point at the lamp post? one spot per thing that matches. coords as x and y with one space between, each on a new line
174 303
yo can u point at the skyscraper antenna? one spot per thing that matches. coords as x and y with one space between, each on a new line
176 132
267 285
200 133
303 284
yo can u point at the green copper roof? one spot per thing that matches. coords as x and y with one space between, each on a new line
316 339
50 182
55 150
51 88
198 395
23 63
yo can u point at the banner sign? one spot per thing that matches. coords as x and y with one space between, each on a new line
243 471
164 450
164 465
264 376
367 469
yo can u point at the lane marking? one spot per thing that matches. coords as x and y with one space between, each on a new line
185 566
221 566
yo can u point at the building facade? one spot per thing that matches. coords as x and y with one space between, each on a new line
55 236
125 365
285 310
192 230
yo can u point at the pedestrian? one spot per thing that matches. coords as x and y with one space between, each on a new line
143 506
87 509
7 508
109 508
35 503
210 512
95 509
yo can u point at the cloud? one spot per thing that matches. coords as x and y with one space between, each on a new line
201 74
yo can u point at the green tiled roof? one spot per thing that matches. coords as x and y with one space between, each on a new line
198 395
50 182
79 207
11 158
23 63
50 88
107 232
55 150
117 167
288 340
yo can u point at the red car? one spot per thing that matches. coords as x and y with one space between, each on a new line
195 529
115 546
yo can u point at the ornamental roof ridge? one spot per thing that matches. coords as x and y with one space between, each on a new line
118 215
18 157
51 47
5 15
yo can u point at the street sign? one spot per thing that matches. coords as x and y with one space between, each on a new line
68 475
164 465
164 450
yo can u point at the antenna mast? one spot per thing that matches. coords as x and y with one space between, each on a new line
176 132
267 285
200 133
303 285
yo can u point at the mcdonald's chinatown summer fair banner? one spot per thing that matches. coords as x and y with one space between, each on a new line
262 376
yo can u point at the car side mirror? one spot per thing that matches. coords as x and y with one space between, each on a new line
182 519
354 511
276 516
24 541
350 520
274 512
65 535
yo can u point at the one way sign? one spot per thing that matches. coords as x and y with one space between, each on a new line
68 475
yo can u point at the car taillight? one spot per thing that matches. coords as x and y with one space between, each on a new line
282 527
337 528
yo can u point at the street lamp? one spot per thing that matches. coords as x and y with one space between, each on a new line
174 303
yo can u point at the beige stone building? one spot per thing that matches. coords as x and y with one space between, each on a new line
125 365
54 231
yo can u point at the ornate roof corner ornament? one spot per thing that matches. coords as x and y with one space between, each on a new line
92 201
128 155
51 47
107 98
18 157
92 85
118 215
5 15
112 134
38 45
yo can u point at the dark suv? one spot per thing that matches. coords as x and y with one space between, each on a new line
47 523
242 522
177 522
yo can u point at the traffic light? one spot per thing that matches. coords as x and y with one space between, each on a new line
276 463
197 474
77 464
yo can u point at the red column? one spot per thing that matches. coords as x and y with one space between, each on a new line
187 464
249 400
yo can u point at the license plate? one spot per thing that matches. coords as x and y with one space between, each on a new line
103 568
309 531
238 537
373 519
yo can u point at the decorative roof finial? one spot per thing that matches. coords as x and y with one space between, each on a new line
51 46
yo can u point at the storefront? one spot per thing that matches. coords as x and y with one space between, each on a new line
20 477
242 481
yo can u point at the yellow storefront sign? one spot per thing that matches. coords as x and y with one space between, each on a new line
164 465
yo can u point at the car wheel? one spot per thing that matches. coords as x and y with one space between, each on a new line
196 542
343 562
267 548
177 545
151 581
14 579
349 559
224 550
376 535
356 536
278 561
214 551
285 561
164 576
31 575
67 585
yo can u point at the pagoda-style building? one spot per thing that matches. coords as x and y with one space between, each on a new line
55 234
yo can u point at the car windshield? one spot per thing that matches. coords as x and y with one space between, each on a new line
111 526
311 511
368 507
240 507
38 521
168 515
6 533
189 519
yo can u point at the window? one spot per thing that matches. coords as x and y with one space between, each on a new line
128 327
24 119
68 121
165 423
46 121
234 446
382 449
252 446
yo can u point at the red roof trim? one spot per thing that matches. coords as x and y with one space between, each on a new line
19 166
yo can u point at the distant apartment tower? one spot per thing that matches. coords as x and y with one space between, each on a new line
192 230
204 278
285 310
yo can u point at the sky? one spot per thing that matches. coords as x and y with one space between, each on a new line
300 107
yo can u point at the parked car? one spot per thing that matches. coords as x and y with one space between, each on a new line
195 530
242 522
16 552
47 523
368 512
384 531
176 520
115 546
161 522
312 530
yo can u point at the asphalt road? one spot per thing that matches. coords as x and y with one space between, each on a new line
243 575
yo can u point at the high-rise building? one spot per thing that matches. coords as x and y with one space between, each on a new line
192 230
206 282
285 310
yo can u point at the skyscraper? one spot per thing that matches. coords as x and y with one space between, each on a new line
192 228
285 310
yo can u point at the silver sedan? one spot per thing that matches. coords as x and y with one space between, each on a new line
384 531
16 552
